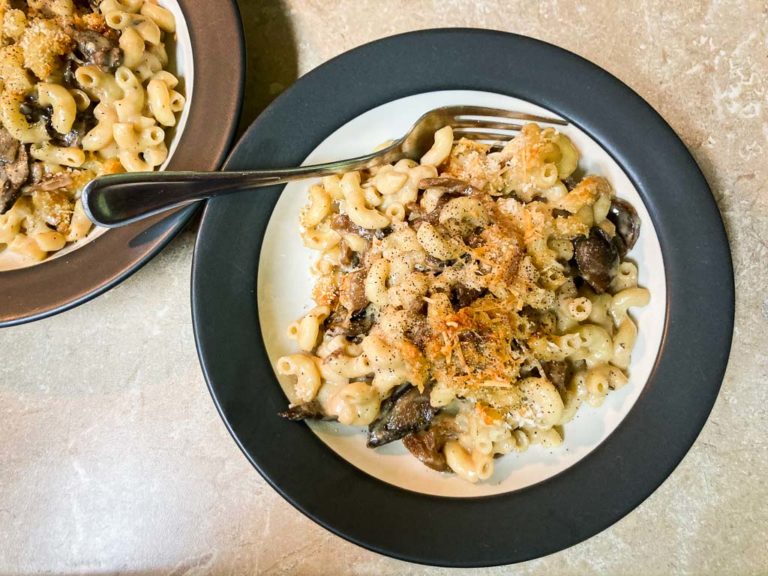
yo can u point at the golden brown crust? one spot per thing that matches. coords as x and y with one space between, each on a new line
468 162
44 42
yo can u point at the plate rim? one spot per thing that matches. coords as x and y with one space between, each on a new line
26 295
346 63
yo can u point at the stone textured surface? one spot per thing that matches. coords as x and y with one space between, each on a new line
112 456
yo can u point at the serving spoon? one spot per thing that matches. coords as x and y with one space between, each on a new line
119 199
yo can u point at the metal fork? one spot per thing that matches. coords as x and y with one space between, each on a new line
120 199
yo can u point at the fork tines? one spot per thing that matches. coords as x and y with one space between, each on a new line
493 140
484 112
491 125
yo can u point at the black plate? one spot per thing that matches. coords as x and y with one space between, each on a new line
598 490
64 282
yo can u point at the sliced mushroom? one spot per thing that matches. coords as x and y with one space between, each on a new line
597 259
342 224
418 332
348 257
97 49
407 410
556 372
49 183
34 112
307 411
627 222
89 5
9 147
427 445
352 291
451 185
70 67
462 295
352 325
573 180
430 265
13 174
417 215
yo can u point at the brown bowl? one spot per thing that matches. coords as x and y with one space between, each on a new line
60 283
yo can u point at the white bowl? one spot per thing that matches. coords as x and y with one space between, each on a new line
284 268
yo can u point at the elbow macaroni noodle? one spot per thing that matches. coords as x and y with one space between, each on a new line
107 112
456 275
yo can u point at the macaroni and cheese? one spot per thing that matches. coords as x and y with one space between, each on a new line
84 91
467 304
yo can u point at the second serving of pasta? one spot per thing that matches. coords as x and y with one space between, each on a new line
467 304
84 91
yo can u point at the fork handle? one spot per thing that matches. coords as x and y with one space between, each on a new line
120 199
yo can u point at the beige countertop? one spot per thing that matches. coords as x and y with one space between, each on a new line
114 460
